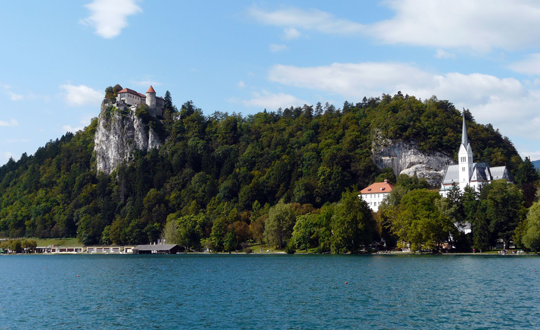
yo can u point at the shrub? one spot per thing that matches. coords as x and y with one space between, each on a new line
289 249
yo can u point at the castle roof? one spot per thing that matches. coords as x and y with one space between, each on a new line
151 89
130 91
377 188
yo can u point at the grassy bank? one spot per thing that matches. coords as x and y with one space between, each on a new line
68 242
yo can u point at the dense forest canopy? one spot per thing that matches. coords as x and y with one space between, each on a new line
222 176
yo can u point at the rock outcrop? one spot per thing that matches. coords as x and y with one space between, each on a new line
119 134
407 158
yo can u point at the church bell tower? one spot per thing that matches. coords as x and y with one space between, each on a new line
465 158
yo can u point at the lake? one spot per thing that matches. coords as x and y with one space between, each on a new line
268 292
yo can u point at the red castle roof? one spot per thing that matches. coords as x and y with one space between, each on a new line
151 89
130 91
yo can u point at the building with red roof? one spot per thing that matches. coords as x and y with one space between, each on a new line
131 98
375 194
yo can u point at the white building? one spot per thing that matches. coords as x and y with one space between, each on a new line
131 98
375 193
467 173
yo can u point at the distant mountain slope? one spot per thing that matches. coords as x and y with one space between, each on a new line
536 164
226 166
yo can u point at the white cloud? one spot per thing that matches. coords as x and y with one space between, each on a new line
69 128
271 101
277 48
530 65
292 18
110 17
292 33
85 121
15 97
479 25
241 84
12 122
7 155
81 95
504 102
444 54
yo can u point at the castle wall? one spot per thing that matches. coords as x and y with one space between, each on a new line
129 98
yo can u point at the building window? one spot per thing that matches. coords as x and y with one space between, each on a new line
463 169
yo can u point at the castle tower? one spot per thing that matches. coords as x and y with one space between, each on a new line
465 158
151 97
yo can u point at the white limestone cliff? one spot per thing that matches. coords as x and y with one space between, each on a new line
119 134
407 158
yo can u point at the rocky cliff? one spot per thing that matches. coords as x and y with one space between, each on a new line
119 134
407 158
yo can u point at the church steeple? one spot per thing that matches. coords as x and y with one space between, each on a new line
465 158
464 138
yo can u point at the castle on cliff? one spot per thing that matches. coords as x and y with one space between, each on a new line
130 99
467 173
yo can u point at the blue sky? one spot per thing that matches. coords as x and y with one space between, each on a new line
245 56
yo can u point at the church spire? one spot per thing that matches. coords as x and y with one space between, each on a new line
464 138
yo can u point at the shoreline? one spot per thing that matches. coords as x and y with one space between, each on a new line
283 253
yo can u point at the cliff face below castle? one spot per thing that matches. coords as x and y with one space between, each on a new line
407 158
119 134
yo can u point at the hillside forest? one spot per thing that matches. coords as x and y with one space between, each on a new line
288 178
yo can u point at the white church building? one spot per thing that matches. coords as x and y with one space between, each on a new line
466 173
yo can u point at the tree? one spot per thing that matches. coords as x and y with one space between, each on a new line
531 238
280 224
189 231
526 178
219 230
303 231
256 228
420 222
352 224
504 209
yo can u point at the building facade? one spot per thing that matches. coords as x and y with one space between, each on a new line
130 98
467 173
374 194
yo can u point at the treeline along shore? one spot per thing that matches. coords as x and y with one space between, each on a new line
288 179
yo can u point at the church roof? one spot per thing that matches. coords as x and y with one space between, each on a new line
464 137
151 89
480 172
500 172
377 188
451 175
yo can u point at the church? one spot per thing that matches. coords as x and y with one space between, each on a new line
467 173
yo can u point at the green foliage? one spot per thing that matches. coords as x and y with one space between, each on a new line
504 209
143 113
289 249
531 237
352 224
231 171
280 223
304 230
186 231
423 220
527 178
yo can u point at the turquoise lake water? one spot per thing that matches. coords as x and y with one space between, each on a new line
269 292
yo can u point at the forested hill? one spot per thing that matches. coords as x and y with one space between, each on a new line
225 166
